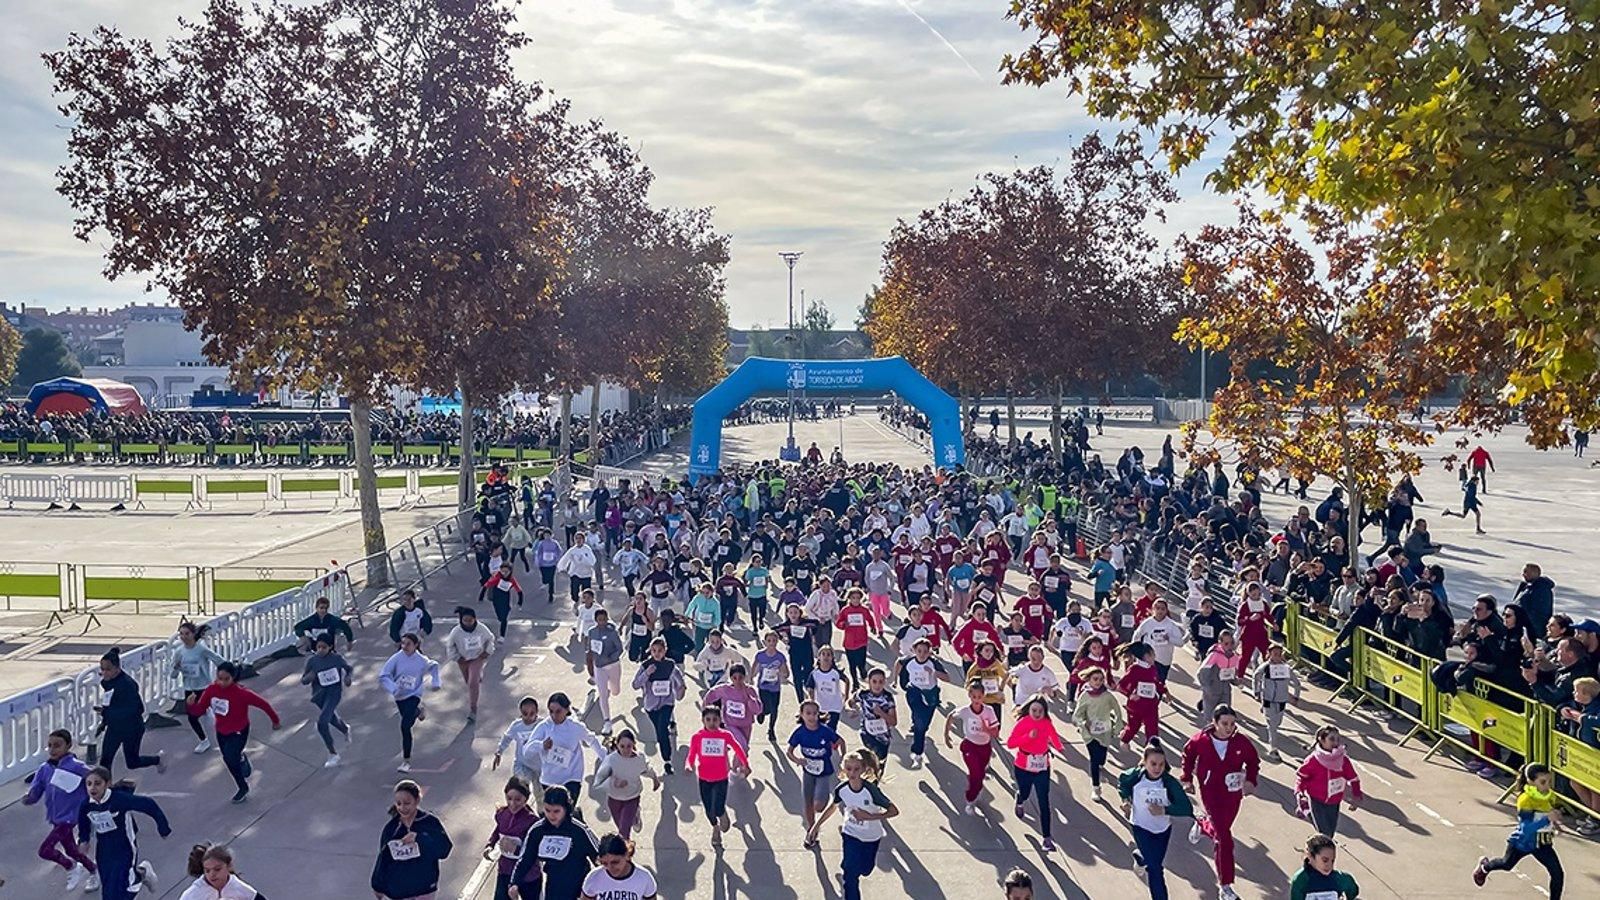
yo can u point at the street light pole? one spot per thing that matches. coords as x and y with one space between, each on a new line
791 451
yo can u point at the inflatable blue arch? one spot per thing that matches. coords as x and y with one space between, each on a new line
759 374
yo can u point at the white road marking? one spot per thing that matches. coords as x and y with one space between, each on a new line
1442 820
479 877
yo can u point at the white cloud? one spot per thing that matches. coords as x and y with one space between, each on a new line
807 126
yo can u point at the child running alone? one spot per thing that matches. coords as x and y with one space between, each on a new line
1534 834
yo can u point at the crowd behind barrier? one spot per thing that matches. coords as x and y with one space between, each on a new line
247 635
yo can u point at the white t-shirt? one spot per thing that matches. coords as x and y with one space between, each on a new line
828 689
639 885
235 889
1030 682
1146 792
1069 637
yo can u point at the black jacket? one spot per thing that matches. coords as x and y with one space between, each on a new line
397 620
126 707
565 853
316 625
400 878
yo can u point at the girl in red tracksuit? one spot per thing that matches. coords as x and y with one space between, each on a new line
230 703
1092 655
1252 628
976 630
1143 687
1326 779
1226 766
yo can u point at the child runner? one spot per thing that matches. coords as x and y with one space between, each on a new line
980 727
59 782
561 739
603 659
560 846
757 578
811 747
121 711
827 686
1150 798
401 679
705 612
855 621
499 587
525 759
211 867
410 848
1018 885
192 662
730 589
1163 634
623 772
229 703
1098 716
918 675
772 670
1217 673
511 824
616 877
716 658
660 684
1224 764
1143 687
1276 686
1537 826
1251 620
864 809
878 718
410 617
1068 634
321 623
1033 738
1318 879
106 815
639 621
1033 679
1325 778
800 635
1016 638
469 646
738 703
989 670
709 749
328 674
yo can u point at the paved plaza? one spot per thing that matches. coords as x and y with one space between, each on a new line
311 832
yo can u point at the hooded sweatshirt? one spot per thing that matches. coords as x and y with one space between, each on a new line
60 783
1327 776
1098 716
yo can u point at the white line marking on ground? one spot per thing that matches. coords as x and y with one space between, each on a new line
479 877
1442 820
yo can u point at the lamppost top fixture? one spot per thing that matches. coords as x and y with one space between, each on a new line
791 256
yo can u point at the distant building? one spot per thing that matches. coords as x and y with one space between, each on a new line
155 353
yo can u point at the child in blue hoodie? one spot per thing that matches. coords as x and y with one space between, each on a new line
1535 832
59 782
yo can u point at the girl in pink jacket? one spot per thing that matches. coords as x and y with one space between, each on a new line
1326 778
1032 738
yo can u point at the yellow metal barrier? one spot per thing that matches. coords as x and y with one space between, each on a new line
1485 712
1571 758
1400 671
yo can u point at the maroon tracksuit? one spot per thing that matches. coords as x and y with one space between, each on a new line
1221 780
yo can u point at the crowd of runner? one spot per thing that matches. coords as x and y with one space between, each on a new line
892 614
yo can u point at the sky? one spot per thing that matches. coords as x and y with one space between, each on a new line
808 125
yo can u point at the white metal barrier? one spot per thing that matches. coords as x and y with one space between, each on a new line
29 488
97 488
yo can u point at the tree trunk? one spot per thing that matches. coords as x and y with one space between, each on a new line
1055 422
594 425
466 481
566 426
367 486
1011 416
1353 527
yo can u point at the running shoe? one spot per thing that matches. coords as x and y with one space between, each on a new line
404 766
147 874
203 746
1195 832
1049 846
161 762
333 760
1226 892
971 810
245 767
472 718
240 797
1481 873
1097 795
92 884
1021 810
76 876
422 714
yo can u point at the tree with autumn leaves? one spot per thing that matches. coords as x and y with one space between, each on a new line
1461 137
1034 281
350 195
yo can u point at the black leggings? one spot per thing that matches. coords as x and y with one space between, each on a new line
232 746
1546 857
714 796
408 717
518 553
1097 760
1038 784
127 738
857 659
189 700
661 718
328 718
769 710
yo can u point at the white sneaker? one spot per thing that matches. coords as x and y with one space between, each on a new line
333 760
403 767
78 873
1195 832
1097 792
92 883
203 746
147 874
1226 892
971 810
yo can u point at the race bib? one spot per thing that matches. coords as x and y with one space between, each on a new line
734 709
1127 621
329 677
1227 673
797 631
1146 689
473 647
827 690
1158 637
921 679
1278 671
102 822
876 727
400 851
703 618
510 846
1208 631
814 766
1335 787
1323 895
641 630
1099 727
597 647
554 846
855 620
714 747
219 706
407 682
662 688
1013 641
504 586
1234 781
1035 762
991 685
769 674
64 781
975 732
559 757
1051 582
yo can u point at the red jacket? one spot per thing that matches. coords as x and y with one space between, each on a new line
1035 615
966 640
1137 675
1319 782
1080 672
938 628
996 557
855 622
231 707
1201 765
1254 620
